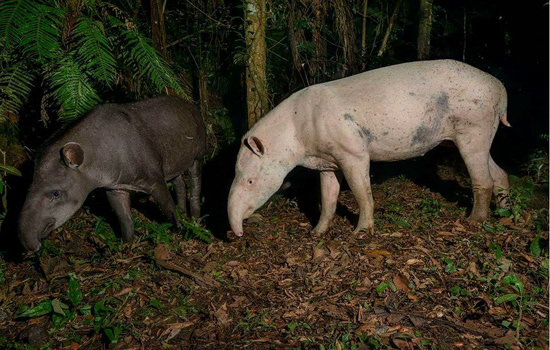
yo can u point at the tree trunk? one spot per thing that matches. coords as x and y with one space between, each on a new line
292 37
343 21
157 27
424 29
388 31
256 84
320 9
364 30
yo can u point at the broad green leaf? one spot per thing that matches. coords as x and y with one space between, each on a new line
44 308
75 294
58 307
536 246
506 298
10 170
514 282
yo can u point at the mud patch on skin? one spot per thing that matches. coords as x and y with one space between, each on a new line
367 134
436 110
349 117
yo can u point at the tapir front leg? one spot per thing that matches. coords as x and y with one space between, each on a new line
195 200
120 202
330 188
356 172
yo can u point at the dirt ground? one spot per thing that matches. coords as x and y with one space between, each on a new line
425 280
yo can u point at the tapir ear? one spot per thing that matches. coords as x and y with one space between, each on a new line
255 145
72 155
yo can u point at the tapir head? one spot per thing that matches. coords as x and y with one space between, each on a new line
259 173
58 190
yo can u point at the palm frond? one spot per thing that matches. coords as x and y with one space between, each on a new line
72 89
14 16
39 37
95 50
15 86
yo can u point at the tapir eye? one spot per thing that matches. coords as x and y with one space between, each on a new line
250 182
55 195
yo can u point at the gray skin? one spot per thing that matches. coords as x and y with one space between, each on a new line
122 148
386 114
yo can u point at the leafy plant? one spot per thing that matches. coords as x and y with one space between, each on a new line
517 299
520 196
76 53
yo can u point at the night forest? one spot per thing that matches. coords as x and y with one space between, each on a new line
426 277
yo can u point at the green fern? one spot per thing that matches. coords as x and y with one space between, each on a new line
13 17
15 85
145 62
95 52
39 37
72 89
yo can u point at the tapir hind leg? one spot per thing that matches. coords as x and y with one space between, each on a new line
120 202
181 197
356 172
476 156
164 200
195 200
330 188
500 186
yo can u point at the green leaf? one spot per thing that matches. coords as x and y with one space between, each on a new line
506 298
383 286
95 51
44 308
16 82
536 246
40 35
72 89
514 282
58 306
14 15
503 212
10 170
75 294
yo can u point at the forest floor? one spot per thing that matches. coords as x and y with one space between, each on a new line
426 279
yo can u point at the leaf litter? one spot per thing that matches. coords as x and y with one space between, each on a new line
422 281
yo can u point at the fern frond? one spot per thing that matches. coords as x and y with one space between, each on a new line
72 89
39 37
95 50
146 63
14 15
15 86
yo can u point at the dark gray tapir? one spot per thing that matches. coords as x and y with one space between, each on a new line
119 147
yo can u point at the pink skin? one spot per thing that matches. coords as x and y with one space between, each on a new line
387 114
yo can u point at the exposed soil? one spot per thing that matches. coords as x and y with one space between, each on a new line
425 279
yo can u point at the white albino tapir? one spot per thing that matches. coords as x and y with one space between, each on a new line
119 147
386 114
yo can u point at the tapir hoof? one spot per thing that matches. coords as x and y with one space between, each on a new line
319 229
367 230
477 218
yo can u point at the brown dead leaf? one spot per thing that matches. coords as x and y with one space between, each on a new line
402 343
377 253
508 338
401 282
222 316
162 252
414 261
318 252
505 221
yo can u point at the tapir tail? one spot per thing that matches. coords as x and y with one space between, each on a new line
504 121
